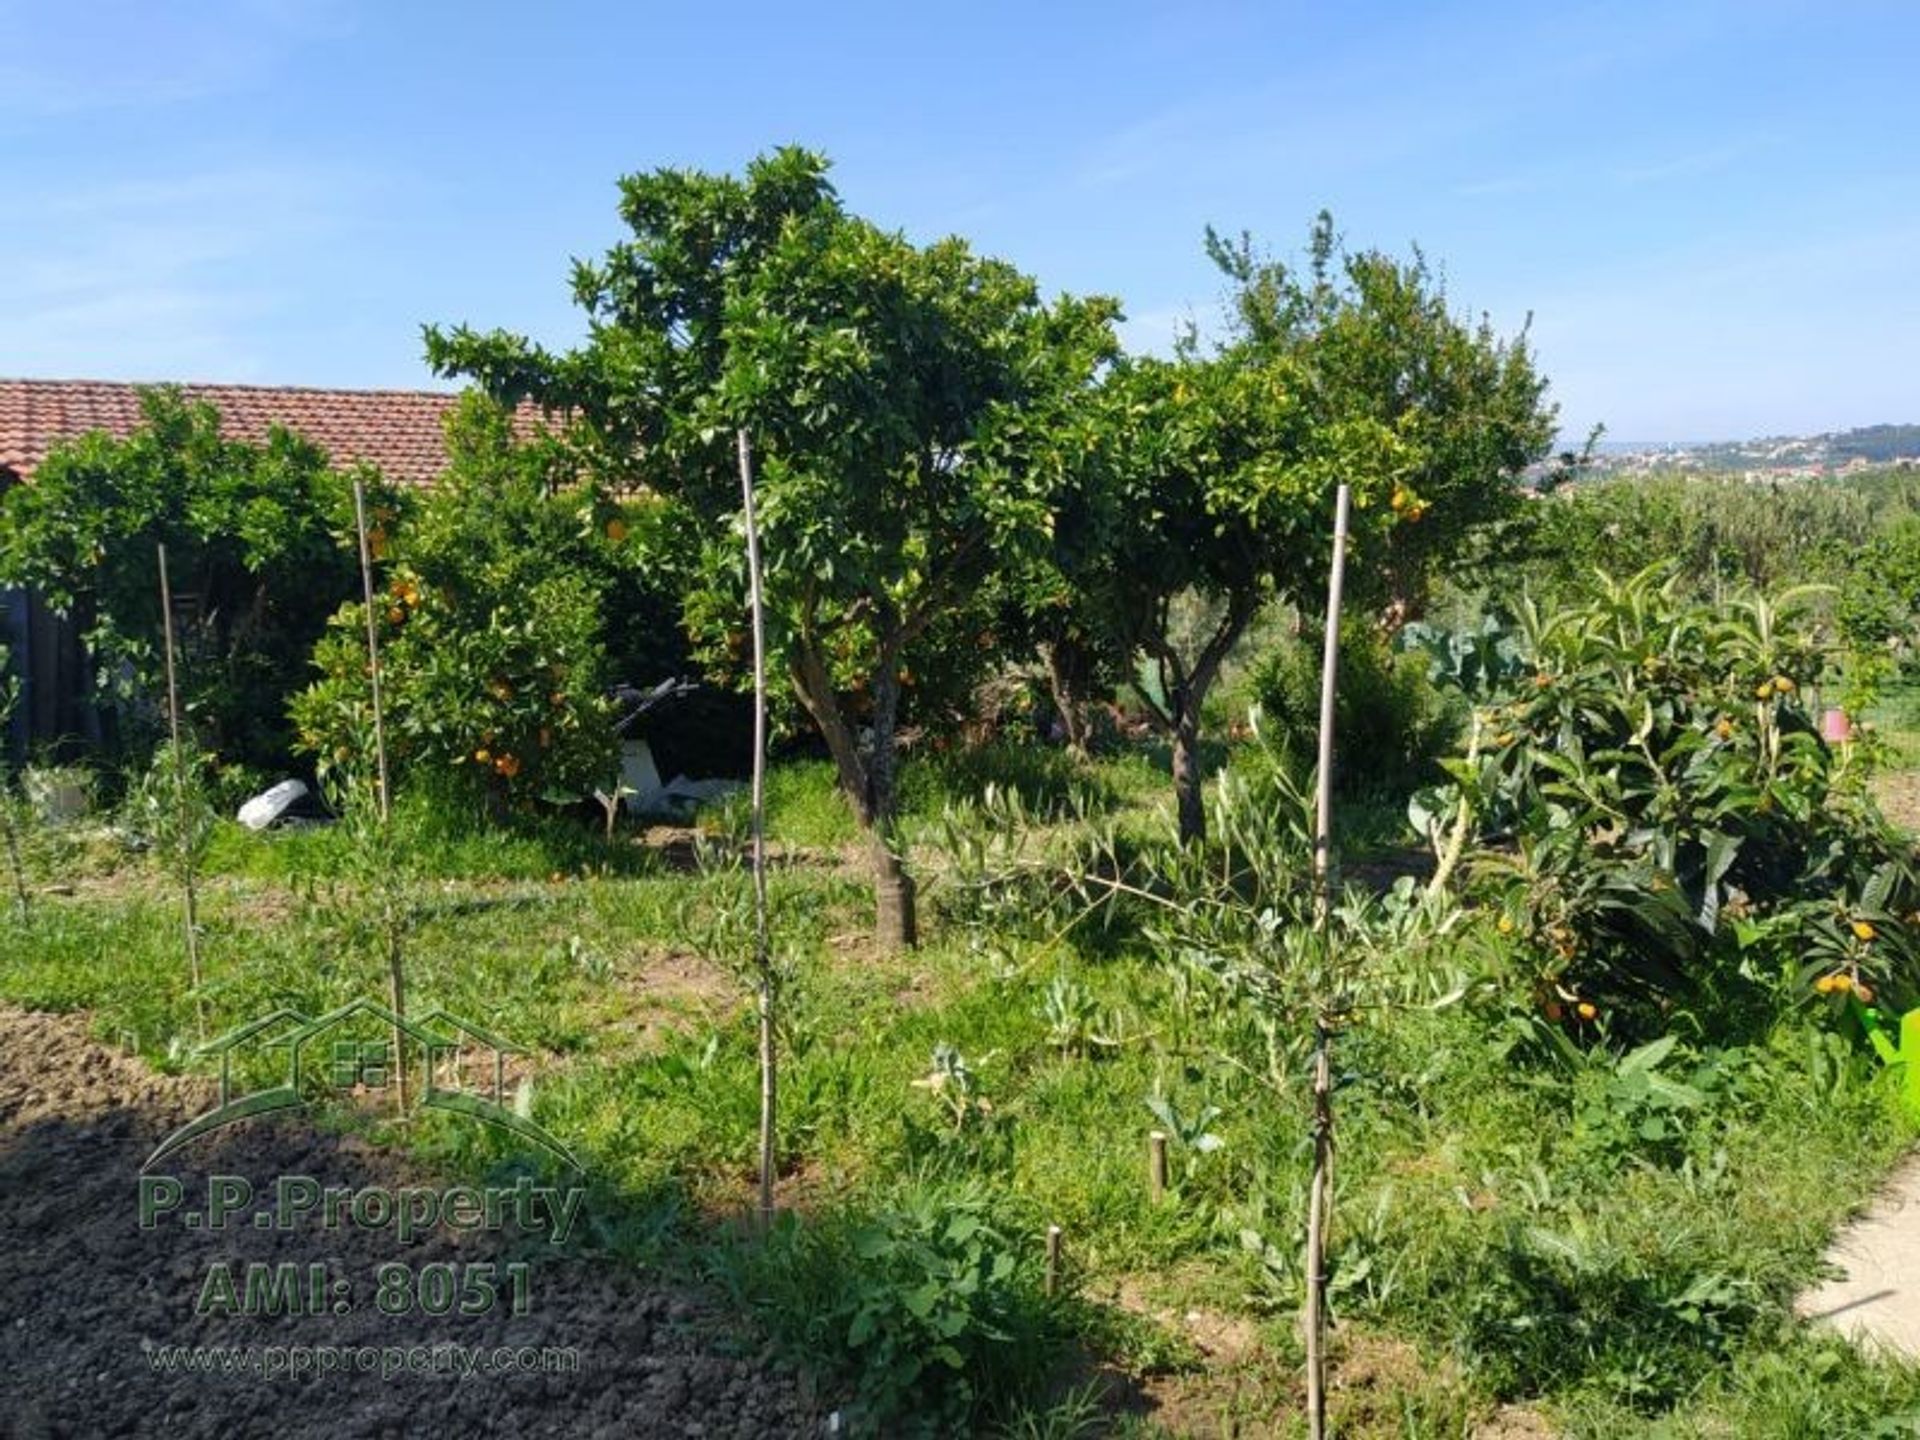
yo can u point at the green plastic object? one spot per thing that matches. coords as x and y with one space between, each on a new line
1902 1051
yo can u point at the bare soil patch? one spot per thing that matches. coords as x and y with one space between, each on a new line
680 845
1898 792
654 996
92 1298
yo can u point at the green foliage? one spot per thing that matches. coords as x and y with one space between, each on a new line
1074 1023
1720 532
496 599
1805 1385
1677 823
1188 1130
1511 1225
169 804
1391 724
888 389
1879 604
805 806
955 1087
924 1306
10 816
373 911
256 542
1214 475
1465 409
1208 477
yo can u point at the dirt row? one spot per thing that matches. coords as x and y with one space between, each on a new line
90 1301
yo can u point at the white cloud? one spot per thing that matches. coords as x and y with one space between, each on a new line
54 62
171 276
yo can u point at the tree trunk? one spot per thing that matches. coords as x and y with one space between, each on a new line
1186 696
1070 673
896 918
1189 786
867 779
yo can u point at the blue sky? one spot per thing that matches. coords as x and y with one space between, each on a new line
1711 210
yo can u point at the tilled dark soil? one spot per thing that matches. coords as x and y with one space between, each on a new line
90 1302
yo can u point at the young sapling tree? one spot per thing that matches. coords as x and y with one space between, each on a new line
9 831
375 831
190 825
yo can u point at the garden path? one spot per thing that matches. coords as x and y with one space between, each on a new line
1877 1301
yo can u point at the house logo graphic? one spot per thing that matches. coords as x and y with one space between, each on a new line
434 1061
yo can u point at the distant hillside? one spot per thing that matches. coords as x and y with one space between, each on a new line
1772 456
1879 443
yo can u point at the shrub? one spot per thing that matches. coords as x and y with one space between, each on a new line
1670 821
923 1308
1718 529
1391 722
1880 594
493 617
510 697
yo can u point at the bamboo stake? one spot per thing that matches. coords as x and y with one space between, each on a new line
396 977
373 643
1319 1195
180 795
1053 1260
763 964
1157 1166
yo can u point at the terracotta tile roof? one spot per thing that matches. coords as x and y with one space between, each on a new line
398 430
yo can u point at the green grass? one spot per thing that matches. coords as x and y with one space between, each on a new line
1506 1244
1896 714
805 806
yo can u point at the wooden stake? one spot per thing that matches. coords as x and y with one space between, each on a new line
396 976
762 959
180 796
1319 1193
1053 1260
1157 1166
373 644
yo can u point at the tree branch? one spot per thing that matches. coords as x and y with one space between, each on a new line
808 671
932 596
1240 612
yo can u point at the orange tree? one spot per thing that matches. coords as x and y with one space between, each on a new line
1378 344
495 592
888 388
1213 474
1214 481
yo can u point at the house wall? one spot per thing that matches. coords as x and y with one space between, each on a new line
56 713
56 716
14 635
